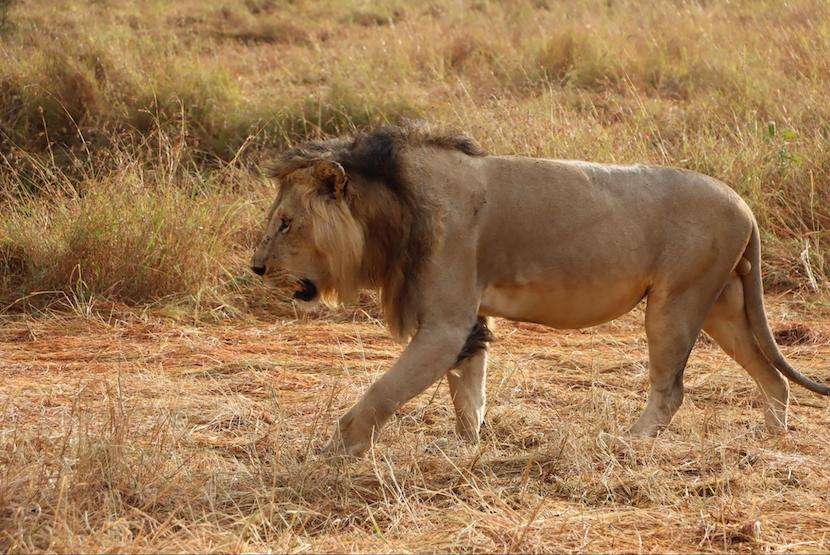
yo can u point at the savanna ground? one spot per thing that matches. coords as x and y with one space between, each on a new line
155 396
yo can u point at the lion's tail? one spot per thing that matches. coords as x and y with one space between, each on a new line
754 302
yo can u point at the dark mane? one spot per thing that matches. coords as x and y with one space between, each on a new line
374 154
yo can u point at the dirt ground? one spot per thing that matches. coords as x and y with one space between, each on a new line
131 432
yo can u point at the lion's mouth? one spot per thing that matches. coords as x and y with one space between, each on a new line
306 290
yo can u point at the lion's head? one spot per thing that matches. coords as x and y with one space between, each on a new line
347 216
312 239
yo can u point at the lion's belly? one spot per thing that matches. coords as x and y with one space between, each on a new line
560 306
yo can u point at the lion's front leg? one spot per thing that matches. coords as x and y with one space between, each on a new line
428 357
467 389
468 381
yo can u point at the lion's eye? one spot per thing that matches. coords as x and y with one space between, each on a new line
285 223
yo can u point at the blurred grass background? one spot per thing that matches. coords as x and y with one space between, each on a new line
131 132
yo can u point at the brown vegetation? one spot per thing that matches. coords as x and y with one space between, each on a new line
184 98
156 396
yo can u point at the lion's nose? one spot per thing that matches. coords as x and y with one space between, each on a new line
258 270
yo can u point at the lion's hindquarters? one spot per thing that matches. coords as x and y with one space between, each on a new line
729 326
754 302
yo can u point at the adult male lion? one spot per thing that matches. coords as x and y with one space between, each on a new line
452 236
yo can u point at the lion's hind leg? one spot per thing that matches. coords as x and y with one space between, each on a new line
673 323
729 326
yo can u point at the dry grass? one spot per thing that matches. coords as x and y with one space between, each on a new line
182 99
132 433
155 397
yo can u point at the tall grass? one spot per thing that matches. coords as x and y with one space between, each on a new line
144 230
101 100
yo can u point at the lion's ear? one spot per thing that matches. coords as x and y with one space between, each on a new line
331 179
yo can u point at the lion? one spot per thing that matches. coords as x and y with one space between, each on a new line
452 237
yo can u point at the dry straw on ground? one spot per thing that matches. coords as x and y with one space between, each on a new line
138 434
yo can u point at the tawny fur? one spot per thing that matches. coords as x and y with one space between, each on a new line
450 236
